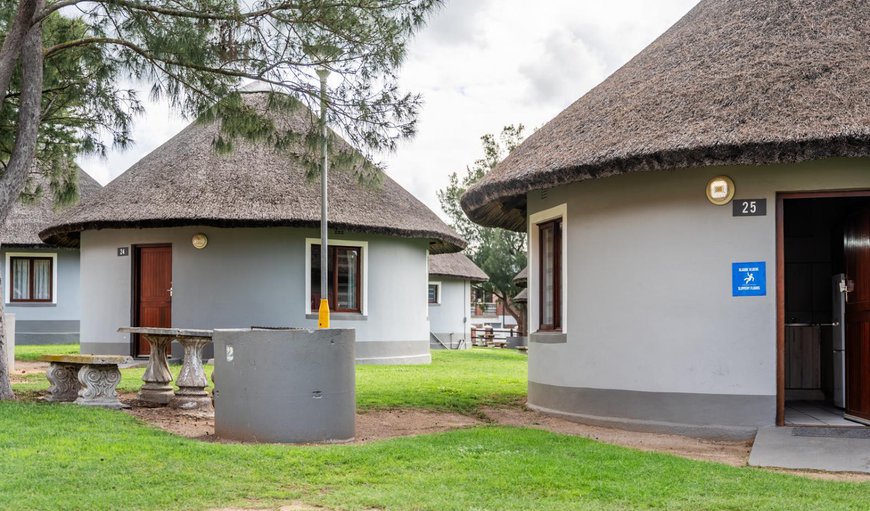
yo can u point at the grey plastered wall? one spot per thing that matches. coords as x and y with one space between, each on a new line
47 323
449 319
256 277
648 299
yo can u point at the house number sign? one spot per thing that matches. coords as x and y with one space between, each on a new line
750 207
123 251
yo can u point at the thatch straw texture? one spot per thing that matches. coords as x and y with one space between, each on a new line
457 266
24 222
522 278
186 182
735 82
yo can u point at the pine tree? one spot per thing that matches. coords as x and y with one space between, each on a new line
501 254
61 62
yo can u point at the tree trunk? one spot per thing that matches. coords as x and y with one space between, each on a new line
12 181
13 43
518 315
5 384
508 304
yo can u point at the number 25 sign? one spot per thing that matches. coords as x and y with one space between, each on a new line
750 207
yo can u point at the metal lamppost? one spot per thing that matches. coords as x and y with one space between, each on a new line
323 313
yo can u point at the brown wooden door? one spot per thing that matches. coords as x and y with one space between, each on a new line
857 251
153 292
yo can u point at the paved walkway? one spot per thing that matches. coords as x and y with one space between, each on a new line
813 448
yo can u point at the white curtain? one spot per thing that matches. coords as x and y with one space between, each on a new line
21 279
347 279
41 279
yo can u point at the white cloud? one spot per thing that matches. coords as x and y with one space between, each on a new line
480 65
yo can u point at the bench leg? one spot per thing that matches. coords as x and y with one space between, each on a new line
64 383
99 383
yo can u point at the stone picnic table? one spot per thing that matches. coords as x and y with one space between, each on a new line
88 380
191 393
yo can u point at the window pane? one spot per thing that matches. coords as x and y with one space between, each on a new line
348 273
20 279
315 277
433 293
548 270
41 279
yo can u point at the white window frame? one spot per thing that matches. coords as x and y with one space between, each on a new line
8 273
534 307
364 278
434 283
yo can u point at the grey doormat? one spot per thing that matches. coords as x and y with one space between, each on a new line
856 432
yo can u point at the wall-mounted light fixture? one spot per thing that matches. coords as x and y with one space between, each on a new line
199 241
720 190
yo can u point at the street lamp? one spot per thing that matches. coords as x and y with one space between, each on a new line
323 313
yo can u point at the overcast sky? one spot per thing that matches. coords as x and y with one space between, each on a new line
480 65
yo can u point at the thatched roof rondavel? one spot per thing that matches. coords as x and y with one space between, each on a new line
734 82
456 265
521 279
186 182
25 220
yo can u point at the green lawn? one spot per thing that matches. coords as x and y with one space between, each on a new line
31 353
455 381
55 456
69 457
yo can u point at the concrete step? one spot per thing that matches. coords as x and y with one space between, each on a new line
828 449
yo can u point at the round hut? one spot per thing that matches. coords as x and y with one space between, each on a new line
190 237
690 220
451 277
41 280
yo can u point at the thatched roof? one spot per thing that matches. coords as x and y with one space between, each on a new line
522 278
735 82
522 296
185 182
24 222
457 266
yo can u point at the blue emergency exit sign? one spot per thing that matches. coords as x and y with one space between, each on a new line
749 279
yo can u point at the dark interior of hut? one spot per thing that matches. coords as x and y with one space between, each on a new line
815 270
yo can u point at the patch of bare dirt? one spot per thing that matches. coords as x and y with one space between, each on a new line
370 426
381 424
729 453
24 368
191 424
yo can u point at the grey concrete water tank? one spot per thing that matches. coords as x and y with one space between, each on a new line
291 386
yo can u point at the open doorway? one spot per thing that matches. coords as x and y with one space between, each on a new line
824 329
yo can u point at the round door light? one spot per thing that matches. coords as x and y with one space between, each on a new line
720 190
200 241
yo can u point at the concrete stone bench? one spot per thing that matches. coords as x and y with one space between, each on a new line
88 380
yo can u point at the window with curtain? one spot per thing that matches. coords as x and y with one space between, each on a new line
31 279
550 252
344 276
